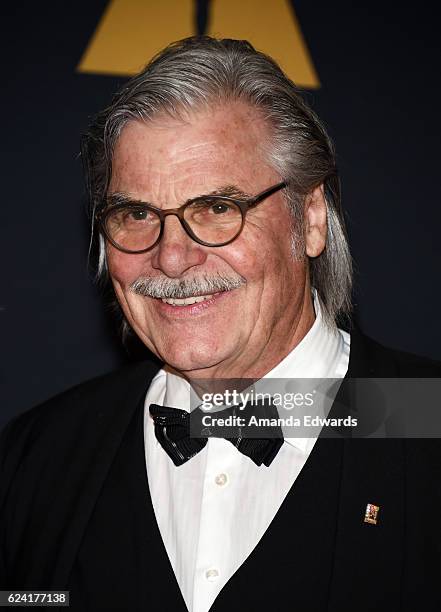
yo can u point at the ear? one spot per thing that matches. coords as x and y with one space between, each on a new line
316 227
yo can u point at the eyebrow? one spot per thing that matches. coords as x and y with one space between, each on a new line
228 191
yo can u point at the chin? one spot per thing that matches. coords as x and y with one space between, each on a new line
189 357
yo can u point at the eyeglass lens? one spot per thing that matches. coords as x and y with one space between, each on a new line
137 227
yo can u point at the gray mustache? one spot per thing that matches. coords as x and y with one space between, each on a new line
167 288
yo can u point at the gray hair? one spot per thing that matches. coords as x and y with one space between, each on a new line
199 72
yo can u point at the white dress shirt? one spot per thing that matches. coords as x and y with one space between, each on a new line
213 510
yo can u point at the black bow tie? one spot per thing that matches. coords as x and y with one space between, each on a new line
172 429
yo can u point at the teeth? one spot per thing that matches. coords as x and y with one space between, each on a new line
186 301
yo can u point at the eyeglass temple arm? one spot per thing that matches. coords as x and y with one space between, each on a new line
268 192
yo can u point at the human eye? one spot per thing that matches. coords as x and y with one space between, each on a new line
213 207
221 208
132 217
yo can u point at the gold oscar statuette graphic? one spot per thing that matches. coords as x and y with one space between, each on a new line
130 32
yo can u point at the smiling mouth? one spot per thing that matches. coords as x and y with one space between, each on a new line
195 299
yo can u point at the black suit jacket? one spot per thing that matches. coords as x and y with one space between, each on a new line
74 500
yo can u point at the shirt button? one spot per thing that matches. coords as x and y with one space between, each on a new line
221 480
211 575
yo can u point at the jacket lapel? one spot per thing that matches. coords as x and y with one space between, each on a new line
101 443
368 560
122 545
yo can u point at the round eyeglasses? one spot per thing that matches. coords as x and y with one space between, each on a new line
211 220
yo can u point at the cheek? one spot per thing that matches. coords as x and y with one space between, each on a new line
265 247
125 268
264 259
250 254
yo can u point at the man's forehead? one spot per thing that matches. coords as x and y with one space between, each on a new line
236 124
201 154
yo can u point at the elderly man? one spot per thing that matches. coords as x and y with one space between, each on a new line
215 205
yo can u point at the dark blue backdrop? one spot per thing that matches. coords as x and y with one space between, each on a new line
380 97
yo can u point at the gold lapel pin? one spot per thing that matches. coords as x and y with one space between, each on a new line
371 514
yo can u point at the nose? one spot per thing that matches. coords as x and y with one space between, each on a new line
176 252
